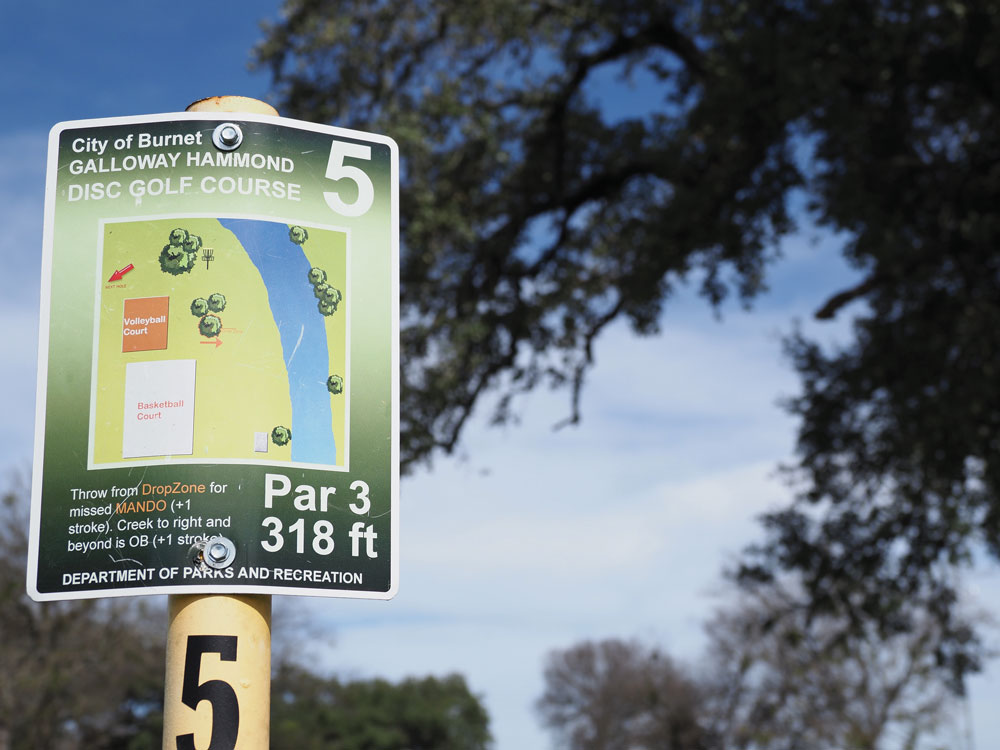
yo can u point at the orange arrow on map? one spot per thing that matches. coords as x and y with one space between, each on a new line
117 275
217 342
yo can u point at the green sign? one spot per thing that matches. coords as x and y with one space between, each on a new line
218 363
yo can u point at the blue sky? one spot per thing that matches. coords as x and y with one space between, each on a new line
502 555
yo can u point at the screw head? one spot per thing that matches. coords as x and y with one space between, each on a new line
227 136
219 552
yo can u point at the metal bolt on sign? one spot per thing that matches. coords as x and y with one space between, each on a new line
219 552
227 136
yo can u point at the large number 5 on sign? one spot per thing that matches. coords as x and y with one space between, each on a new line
336 170
225 706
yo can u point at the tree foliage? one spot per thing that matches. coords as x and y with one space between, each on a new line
83 673
772 677
899 428
777 677
619 695
534 214
309 712
530 217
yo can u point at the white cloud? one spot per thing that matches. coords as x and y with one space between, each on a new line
588 530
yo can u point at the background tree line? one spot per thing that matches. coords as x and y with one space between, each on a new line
766 681
88 674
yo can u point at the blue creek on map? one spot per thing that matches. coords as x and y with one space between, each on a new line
284 269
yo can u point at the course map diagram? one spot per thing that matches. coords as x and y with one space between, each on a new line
220 340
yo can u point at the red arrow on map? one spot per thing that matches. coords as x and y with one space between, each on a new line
217 342
117 275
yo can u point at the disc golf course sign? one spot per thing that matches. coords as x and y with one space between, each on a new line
218 365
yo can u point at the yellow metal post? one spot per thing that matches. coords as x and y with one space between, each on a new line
233 104
218 686
218 682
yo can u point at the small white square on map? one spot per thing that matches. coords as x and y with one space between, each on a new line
159 408
260 442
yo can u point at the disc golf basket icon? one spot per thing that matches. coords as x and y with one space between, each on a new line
207 255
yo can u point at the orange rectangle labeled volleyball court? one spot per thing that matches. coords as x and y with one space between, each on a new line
144 324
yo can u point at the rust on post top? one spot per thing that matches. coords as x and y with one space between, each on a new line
233 104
